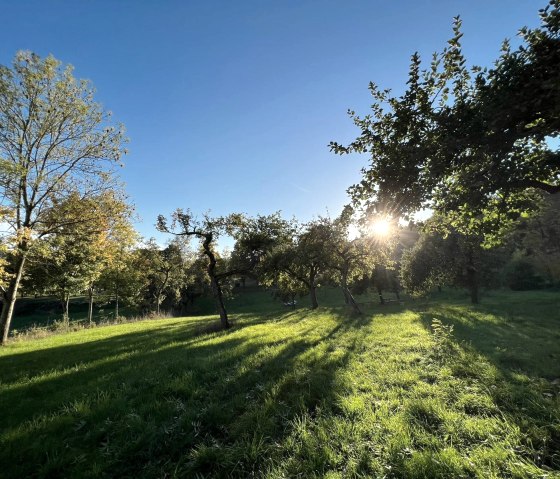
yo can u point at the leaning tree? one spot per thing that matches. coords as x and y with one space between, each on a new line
55 142
254 238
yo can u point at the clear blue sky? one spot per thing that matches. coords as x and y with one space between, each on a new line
230 105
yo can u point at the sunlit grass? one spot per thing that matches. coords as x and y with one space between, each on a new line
292 394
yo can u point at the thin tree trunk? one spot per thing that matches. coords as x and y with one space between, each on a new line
313 288
472 278
117 296
381 298
90 304
10 296
349 299
472 275
65 300
160 292
117 301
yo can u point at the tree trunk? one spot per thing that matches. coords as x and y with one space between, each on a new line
160 292
472 275
472 278
10 296
348 298
313 294
345 290
116 301
381 298
345 294
313 288
216 288
90 304
65 301
219 297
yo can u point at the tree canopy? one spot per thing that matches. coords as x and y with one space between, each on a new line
467 139
56 144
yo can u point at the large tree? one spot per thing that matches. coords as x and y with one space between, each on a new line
471 140
57 142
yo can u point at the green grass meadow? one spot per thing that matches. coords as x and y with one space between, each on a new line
293 394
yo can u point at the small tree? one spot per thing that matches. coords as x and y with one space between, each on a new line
536 240
207 230
164 271
254 238
302 257
126 277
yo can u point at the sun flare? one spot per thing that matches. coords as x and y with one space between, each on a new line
380 227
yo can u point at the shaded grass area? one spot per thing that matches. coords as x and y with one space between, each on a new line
293 394
46 311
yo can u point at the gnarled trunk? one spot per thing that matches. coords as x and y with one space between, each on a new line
219 297
216 288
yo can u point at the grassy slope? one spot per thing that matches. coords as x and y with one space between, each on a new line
292 394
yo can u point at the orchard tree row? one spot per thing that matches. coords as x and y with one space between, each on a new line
475 145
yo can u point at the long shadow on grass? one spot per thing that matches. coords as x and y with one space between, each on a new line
168 400
523 347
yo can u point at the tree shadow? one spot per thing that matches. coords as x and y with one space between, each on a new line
516 342
514 353
169 400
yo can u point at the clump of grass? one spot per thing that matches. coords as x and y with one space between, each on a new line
443 339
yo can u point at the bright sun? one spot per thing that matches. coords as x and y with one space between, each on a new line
380 227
